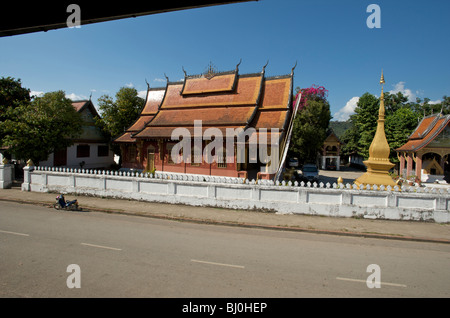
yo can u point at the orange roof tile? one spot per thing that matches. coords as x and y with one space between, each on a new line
246 92
126 137
202 84
276 93
154 99
140 123
270 119
208 116
424 124
427 130
78 105
226 100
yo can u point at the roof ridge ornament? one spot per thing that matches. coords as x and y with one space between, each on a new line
237 66
264 67
211 71
292 70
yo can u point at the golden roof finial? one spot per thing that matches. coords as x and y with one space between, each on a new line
382 78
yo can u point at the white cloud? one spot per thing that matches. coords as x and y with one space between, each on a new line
71 96
36 93
400 87
129 85
142 94
74 96
161 80
344 113
434 102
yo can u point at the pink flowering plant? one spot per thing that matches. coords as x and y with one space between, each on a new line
310 124
314 92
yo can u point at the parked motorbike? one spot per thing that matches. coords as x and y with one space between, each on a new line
62 204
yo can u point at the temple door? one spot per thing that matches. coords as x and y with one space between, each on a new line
150 160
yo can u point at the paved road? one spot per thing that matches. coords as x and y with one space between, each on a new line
131 256
347 174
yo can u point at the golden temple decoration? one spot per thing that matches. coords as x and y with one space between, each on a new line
378 164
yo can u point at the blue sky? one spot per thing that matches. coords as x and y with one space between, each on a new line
329 39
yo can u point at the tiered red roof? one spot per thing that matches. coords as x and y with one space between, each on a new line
153 101
427 130
221 100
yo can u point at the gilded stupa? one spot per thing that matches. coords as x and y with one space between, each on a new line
378 164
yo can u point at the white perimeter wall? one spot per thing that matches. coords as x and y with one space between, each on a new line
411 203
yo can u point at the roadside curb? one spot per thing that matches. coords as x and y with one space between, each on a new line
247 225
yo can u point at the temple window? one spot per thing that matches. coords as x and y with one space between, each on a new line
83 151
132 150
222 158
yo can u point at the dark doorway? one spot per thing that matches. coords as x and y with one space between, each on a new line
60 158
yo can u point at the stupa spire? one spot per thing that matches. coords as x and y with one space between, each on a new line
378 165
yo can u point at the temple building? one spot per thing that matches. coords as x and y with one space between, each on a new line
426 153
331 152
218 102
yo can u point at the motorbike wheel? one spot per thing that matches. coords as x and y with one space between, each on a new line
57 206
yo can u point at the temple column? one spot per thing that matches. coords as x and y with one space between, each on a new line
409 162
419 166
442 161
123 150
140 145
402 165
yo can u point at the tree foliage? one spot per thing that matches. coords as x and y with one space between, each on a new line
401 118
398 126
36 129
12 95
118 115
364 123
310 124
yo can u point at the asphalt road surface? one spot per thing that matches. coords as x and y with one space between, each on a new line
49 253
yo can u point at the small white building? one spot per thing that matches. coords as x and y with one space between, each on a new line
90 150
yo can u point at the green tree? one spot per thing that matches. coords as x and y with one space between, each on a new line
46 124
310 124
364 123
398 127
400 120
12 95
350 139
392 102
118 115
